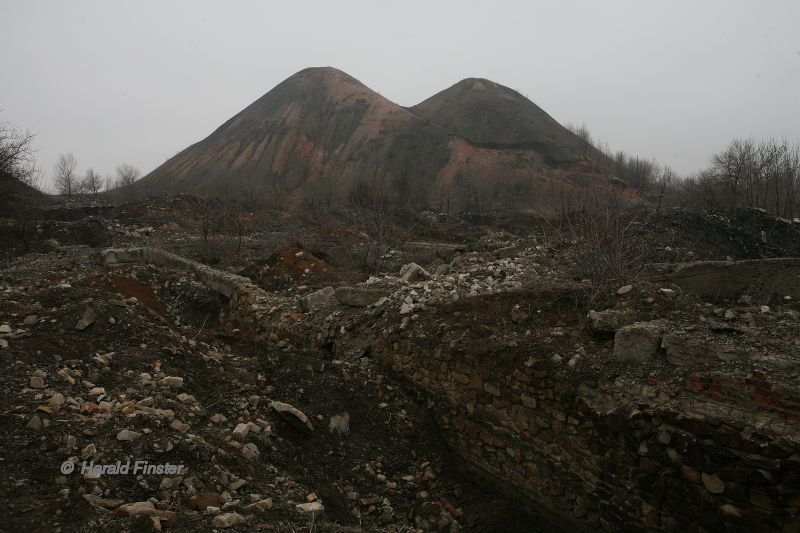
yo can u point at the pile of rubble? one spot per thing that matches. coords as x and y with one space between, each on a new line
120 413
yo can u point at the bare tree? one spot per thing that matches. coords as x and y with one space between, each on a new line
665 181
16 156
127 174
64 174
92 183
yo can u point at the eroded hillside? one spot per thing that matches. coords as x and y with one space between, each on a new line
321 135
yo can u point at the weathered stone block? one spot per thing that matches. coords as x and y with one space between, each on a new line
610 320
358 297
638 342
318 299
413 272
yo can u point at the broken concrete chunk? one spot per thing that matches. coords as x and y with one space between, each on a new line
625 289
250 451
56 399
610 320
261 505
293 416
310 509
175 382
133 509
186 398
87 319
228 520
413 272
316 300
127 434
357 297
88 451
241 431
177 425
236 485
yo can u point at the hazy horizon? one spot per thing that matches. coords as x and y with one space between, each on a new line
137 83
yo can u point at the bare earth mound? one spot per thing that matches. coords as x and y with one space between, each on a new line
322 134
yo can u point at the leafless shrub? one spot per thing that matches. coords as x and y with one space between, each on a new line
236 222
603 240
380 229
207 214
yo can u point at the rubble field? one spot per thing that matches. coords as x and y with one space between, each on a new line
99 367
474 384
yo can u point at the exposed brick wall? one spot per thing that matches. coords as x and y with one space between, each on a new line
725 457
544 438
741 392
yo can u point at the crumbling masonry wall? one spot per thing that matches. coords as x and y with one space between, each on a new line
719 460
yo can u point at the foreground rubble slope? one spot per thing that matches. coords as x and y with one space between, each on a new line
96 369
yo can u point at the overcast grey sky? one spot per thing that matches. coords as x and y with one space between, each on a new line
138 81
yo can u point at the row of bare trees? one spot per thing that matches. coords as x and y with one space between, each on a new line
749 173
69 183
